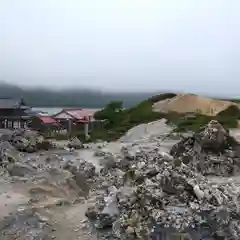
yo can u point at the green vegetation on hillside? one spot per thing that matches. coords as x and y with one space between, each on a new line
119 120
228 118
235 100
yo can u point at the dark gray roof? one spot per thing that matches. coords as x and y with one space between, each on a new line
8 103
32 113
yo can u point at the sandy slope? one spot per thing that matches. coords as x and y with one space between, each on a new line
185 103
145 131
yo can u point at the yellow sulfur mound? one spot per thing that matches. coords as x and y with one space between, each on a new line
191 103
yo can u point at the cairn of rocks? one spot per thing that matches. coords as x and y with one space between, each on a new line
45 167
75 143
148 193
26 140
14 143
212 151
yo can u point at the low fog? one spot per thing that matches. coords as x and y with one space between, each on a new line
190 46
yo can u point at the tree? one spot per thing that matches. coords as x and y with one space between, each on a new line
112 113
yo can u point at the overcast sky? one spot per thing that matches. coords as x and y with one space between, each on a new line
190 45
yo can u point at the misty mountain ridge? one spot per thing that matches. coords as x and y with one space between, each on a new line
77 97
88 98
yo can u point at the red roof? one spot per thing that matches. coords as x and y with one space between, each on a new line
79 114
47 119
82 121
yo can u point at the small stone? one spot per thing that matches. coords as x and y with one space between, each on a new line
199 193
130 230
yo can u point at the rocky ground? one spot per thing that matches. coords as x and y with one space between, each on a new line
151 183
42 192
192 191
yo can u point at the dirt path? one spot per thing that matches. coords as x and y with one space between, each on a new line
11 198
67 219
69 223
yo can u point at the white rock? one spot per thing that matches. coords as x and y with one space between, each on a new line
199 193
111 202
130 230
166 155
141 165
159 177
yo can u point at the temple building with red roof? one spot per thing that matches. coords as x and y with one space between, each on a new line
75 117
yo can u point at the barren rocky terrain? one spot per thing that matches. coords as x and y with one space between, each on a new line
46 194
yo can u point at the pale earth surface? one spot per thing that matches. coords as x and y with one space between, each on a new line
69 220
191 103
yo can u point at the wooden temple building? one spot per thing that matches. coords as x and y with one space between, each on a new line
77 118
13 113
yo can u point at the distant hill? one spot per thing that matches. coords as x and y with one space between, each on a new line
192 103
183 111
87 98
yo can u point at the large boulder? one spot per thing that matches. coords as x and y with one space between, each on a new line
213 138
19 169
80 165
212 151
110 212
8 153
88 169
26 140
75 143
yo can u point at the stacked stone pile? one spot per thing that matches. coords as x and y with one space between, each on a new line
26 140
212 151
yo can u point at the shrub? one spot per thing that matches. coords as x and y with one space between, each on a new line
232 111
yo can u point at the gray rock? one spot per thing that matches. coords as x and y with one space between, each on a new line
108 161
91 213
81 181
19 169
75 143
104 221
211 151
